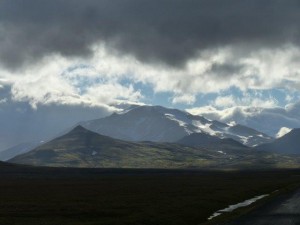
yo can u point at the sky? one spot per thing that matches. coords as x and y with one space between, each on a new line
64 61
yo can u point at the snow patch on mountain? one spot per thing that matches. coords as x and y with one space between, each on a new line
180 122
94 153
204 128
283 131
221 152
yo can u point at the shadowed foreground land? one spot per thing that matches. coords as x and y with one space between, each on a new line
109 196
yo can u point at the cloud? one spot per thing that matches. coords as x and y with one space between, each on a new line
246 100
151 31
268 120
225 101
57 80
4 100
260 70
293 109
61 80
112 93
184 98
184 48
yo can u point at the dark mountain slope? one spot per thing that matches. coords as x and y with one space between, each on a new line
205 140
287 144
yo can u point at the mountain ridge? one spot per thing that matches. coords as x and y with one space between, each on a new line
84 148
160 124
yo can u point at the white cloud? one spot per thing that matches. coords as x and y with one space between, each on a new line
210 110
4 100
66 82
56 79
266 119
283 131
211 72
225 101
184 98
245 100
111 93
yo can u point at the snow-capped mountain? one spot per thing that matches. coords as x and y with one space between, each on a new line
159 124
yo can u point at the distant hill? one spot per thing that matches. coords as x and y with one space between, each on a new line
17 150
159 124
287 144
83 148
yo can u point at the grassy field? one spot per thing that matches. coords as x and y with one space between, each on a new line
57 196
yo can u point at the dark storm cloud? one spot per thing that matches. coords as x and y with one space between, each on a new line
166 31
225 69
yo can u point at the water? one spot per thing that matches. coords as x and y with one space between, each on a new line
236 206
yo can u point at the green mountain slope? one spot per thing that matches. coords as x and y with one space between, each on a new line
84 148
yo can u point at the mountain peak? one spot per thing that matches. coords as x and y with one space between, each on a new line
79 128
81 132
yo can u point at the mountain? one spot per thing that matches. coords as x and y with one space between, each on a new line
83 148
159 124
206 140
17 150
287 144
79 147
